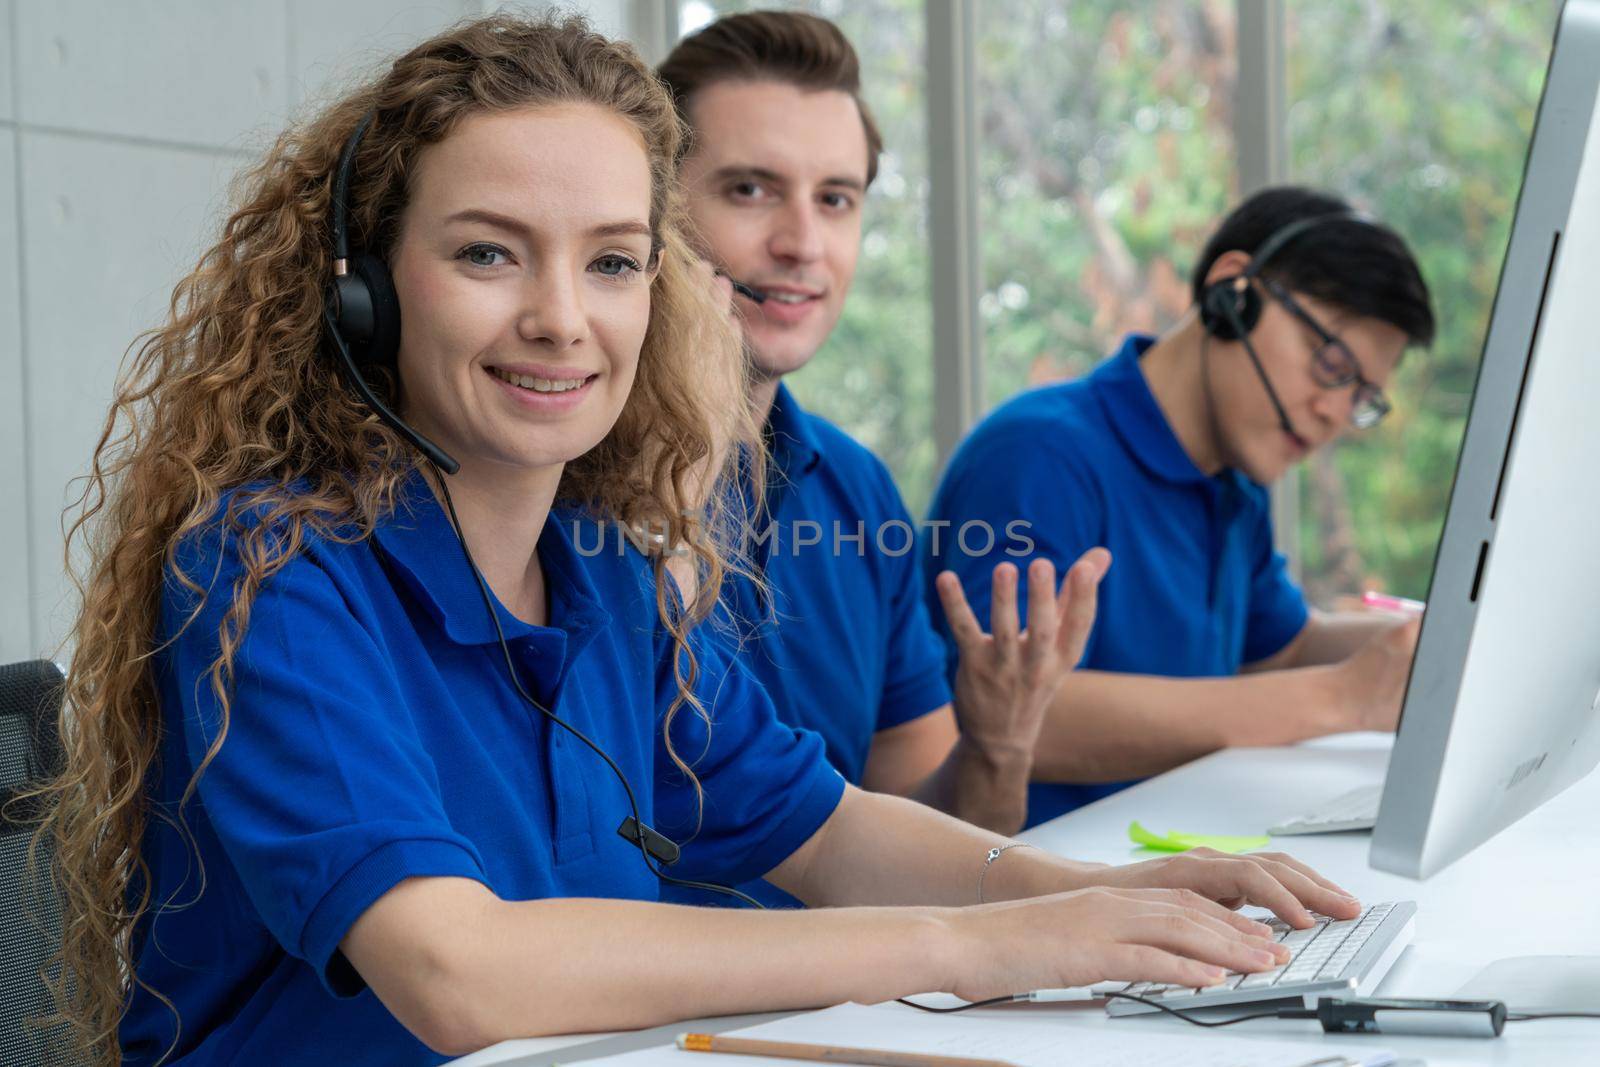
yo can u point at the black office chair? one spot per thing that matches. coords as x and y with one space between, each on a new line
30 912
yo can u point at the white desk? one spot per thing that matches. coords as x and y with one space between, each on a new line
1530 891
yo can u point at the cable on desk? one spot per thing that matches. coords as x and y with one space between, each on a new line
1278 1013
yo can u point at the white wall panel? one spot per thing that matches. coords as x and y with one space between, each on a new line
7 58
109 224
334 45
16 641
191 71
610 17
102 256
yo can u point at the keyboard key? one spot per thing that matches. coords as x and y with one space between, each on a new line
1296 938
1322 954
1260 981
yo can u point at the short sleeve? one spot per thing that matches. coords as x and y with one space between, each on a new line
765 787
1278 609
321 793
1006 499
913 677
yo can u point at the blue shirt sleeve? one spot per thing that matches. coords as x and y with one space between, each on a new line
1278 609
765 787
321 793
1006 499
913 676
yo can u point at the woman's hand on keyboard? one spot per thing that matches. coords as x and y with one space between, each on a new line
1271 880
1098 935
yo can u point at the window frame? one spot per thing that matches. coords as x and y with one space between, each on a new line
1261 133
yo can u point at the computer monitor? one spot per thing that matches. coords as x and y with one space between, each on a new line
1501 708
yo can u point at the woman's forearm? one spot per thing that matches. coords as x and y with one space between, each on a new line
481 970
462 969
878 849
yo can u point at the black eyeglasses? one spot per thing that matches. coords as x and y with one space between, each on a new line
1334 366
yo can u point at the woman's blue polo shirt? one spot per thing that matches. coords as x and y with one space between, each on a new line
374 736
1195 589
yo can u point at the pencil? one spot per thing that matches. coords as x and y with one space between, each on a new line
790 1050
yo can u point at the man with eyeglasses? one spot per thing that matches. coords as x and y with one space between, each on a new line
1162 454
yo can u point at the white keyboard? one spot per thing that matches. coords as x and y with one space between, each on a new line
1335 957
1355 810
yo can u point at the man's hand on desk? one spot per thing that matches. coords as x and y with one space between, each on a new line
1269 880
1098 935
1371 682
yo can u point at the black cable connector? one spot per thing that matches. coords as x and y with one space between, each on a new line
1337 1015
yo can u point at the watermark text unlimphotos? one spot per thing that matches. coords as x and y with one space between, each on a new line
839 537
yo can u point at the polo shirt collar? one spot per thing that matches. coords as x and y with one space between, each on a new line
796 451
417 537
1138 420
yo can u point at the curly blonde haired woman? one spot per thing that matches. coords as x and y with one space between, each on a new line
307 817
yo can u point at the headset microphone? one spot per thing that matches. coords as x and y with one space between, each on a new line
749 292
1231 312
1230 308
352 372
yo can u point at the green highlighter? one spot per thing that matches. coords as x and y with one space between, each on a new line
1176 841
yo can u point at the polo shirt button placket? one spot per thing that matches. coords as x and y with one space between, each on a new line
569 788
530 659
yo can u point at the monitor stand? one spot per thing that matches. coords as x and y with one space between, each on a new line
1539 983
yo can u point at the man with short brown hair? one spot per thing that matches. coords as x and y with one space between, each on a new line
781 152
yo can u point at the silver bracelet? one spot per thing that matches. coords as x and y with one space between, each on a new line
994 854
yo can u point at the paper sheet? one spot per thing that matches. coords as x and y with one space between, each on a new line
1177 841
1027 1039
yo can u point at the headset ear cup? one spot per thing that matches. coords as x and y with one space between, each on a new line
1225 307
383 345
368 312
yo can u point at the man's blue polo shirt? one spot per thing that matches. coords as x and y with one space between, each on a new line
839 636
1195 587
841 640
374 736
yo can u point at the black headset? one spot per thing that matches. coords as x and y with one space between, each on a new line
361 314
1230 308
361 311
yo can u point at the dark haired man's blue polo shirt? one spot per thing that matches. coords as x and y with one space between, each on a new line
374 736
1195 589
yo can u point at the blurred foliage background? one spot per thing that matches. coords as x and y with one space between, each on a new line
1108 154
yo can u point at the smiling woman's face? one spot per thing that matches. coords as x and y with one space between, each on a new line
523 268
